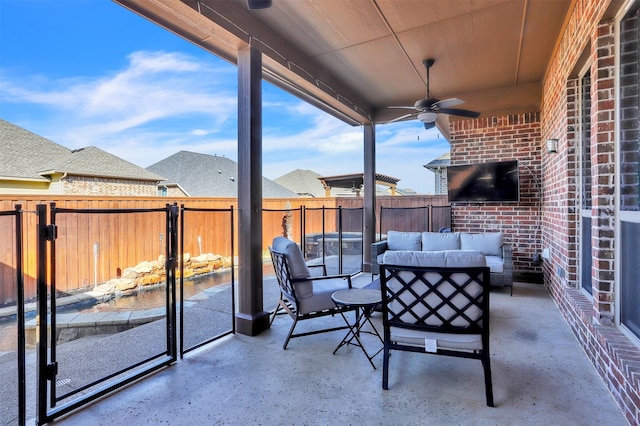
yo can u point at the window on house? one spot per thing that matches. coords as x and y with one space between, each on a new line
162 191
584 111
629 174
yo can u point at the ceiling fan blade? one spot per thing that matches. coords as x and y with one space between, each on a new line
402 117
448 103
459 112
429 125
402 107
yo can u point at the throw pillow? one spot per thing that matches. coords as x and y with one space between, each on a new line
489 243
436 241
397 240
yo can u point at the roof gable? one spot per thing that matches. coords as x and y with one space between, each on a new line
92 161
204 175
25 155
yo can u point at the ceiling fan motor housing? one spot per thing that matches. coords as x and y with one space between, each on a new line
425 103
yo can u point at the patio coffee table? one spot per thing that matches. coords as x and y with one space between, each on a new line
364 301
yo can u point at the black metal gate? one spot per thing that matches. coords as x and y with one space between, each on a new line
72 375
213 316
13 270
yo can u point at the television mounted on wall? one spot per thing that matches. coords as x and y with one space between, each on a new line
484 182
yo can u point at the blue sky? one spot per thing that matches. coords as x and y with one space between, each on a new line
91 73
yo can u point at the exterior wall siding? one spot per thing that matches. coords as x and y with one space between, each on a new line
615 356
510 137
97 186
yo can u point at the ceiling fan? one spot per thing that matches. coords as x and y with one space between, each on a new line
427 109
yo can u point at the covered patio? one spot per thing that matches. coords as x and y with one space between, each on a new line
540 376
525 66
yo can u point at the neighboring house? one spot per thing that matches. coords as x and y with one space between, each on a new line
400 191
307 183
191 174
31 164
439 167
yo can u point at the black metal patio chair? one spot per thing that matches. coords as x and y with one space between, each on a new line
438 310
302 295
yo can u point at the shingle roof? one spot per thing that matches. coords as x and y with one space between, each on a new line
25 155
92 161
443 161
303 182
204 175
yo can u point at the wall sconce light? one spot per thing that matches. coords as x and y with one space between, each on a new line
552 146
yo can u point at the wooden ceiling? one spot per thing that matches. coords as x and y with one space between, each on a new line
355 58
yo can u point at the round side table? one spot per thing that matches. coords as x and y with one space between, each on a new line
364 301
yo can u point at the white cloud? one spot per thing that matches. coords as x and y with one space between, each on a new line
163 102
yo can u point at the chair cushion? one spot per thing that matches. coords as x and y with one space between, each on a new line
297 266
495 264
321 297
434 241
490 243
464 342
403 240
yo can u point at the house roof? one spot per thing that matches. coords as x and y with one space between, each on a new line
24 154
27 156
204 175
443 161
309 183
303 182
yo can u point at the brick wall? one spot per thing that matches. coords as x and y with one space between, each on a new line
505 138
614 355
98 186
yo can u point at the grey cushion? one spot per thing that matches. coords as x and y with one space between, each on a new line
295 260
469 342
495 264
444 259
404 240
434 241
464 258
321 297
414 258
489 243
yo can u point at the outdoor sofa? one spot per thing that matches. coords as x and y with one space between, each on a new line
498 255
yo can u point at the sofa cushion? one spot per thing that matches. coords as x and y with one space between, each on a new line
495 264
414 258
464 258
297 266
435 241
403 240
490 243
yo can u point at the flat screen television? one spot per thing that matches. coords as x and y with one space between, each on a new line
485 182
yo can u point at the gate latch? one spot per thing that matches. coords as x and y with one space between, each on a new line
51 371
50 232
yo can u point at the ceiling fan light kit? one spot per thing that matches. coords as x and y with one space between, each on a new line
428 117
427 109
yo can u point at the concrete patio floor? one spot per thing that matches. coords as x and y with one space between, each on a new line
540 376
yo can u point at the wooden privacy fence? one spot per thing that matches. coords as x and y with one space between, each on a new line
93 248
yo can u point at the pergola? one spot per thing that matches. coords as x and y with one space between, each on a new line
355 181
354 59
